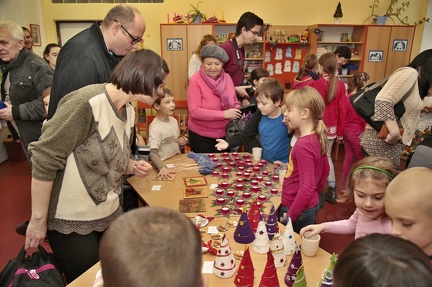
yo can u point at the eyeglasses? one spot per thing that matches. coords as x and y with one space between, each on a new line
134 40
253 32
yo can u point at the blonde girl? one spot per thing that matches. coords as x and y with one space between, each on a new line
355 126
367 183
333 92
308 166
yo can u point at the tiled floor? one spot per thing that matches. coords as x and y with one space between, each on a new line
15 178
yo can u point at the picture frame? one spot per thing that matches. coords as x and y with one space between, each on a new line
35 31
174 44
399 45
375 56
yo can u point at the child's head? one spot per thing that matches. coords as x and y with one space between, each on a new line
269 96
310 62
368 181
328 63
409 204
151 246
207 39
380 260
306 105
358 81
258 76
165 104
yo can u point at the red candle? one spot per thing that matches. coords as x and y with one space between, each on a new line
239 186
246 155
225 154
259 178
226 169
227 159
240 164
240 201
240 180
248 160
235 154
230 193
211 155
265 172
225 209
246 194
225 175
246 174
232 164
219 191
221 200
215 173
218 165
239 173
274 191
237 158
275 177
263 161
256 168
262 197
241 168
267 183
224 184
261 165
255 188
254 182
215 159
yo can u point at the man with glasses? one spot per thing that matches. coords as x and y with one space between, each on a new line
247 31
343 55
90 56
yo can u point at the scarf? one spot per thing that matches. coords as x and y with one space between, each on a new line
218 87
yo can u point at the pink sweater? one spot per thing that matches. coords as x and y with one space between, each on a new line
206 117
335 111
360 225
354 122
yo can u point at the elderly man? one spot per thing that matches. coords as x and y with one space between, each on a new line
90 56
26 78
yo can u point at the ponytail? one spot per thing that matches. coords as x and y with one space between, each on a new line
321 131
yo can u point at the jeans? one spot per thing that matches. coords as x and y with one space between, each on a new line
353 151
331 176
306 218
74 252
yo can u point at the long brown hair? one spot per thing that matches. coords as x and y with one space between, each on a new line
309 98
204 41
357 81
329 63
310 61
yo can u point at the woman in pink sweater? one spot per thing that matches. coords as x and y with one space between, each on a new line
212 101
367 183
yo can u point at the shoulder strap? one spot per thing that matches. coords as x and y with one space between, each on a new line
408 93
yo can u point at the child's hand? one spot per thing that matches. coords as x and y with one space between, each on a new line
165 173
278 163
142 168
221 145
314 228
182 140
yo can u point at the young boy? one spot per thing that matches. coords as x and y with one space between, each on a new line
257 77
409 205
164 134
151 246
267 122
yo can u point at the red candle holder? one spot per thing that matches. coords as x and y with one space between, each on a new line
246 174
260 165
255 188
218 165
227 159
241 168
239 180
246 155
246 194
249 170
215 173
225 175
239 173
240 164
215 159
221 200
224 184
230 193
259 178
232 164
265 172
263 161
225 209
226 169
219 191
268 183
235 153
275 177
256 168
248 160
254 182
225 154
262 197
249 164
237 158
239 186
240 202
274 191
211 155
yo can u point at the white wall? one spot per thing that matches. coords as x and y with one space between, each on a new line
427 40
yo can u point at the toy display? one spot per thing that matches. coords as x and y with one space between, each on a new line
245 273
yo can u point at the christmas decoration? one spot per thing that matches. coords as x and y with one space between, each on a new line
288 238
327 278
243 233
272 223
294 265
261 243
277 248
224 265
254 215
300 280
245 272
269 277
338 12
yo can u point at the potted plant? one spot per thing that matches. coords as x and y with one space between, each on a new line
338 13
394 11
195 14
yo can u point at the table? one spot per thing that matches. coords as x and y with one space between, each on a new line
170 194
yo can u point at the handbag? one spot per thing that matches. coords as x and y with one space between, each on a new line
40 269
363 103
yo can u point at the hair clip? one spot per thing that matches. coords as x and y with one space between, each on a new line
374 168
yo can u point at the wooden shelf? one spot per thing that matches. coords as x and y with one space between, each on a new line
339 43
254 59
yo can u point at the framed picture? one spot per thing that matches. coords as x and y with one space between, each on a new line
35 30
376 55
174 44
400 45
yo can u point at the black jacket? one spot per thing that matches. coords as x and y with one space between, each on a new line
82 61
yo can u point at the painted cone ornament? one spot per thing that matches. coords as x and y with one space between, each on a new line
224 265
288 238
261 243
245 272
254 215
272 223
294 265
327 278
269 277
277 248
300 280
244 233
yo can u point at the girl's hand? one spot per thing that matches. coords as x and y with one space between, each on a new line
142 168
314 228
182 141
221 145
278 163
35 234
232 114
165 173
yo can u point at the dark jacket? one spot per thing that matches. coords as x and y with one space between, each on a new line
29 76
82 61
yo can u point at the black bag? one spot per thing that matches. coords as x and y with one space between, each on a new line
40 269
364 103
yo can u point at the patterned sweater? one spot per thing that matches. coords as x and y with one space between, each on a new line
84 149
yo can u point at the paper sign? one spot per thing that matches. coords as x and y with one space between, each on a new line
156 187
212 230
208 267
213 186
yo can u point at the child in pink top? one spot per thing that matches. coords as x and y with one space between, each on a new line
308 72
367 182
308 166
354 127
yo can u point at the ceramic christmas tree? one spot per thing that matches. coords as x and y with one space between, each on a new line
294 265
327 278
261 243
224 265
277 248
269 277
300 280
288 238
243 233
272 223
254 215
245 272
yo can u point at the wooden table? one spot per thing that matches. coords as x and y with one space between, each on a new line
170 194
